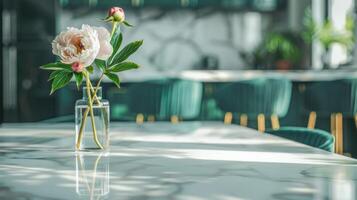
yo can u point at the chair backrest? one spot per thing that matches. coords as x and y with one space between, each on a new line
145 97
182 98
166 97
328 97
312 137
252 97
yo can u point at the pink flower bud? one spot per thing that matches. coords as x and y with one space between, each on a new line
117 14
77 67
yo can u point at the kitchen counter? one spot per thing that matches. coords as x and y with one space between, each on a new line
186 161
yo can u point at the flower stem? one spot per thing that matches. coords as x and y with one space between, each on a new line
94 91
90 104
98 84
80 134
115 24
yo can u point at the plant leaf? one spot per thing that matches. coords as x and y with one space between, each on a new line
126 23
61 80
100 64
57 66
90 69
54 74
108 19
116 42
123 67
114 78
127 51
79 79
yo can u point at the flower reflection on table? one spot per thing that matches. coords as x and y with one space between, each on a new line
92 175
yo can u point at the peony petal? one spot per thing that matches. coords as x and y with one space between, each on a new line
77 45
103 33
106 49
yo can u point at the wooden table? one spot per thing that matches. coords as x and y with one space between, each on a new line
188 161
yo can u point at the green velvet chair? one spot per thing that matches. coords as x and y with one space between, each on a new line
332 99
166 99
312 137
119 101
145 99
258 97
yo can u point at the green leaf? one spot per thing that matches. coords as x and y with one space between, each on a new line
61 80
54 74
108 19
56 66
127 51
116 42
100 64
123 67
126 23
90 69
349 22
114 78
79 79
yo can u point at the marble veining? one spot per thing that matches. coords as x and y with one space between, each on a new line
178 39
188 161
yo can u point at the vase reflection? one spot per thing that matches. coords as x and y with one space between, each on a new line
92 175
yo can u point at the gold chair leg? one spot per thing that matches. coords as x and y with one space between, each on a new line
355 117
275 122
174 119
140 118
312 120
261 122
228 118
333 128
339 133
243 120
151 118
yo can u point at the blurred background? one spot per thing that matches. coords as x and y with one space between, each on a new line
207 41
179 35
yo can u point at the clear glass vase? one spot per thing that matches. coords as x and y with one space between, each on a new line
92 127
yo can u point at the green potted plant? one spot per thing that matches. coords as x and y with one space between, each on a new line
278 51
327 35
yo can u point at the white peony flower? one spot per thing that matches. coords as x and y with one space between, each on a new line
82 46
106 48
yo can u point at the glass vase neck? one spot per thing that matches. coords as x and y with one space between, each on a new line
98 93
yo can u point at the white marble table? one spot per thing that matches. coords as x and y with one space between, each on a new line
188 161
